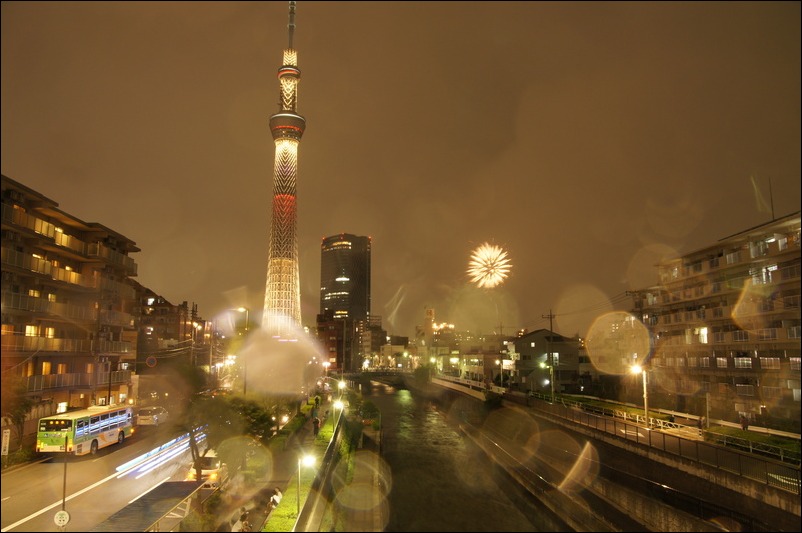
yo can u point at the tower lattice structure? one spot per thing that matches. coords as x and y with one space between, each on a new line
282 310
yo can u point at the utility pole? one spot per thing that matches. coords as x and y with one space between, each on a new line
550 316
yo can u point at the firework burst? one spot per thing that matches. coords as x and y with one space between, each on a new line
489 266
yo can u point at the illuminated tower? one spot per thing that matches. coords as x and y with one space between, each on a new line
282 311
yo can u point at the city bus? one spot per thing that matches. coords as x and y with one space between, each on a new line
85 431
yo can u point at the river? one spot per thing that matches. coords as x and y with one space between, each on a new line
440 481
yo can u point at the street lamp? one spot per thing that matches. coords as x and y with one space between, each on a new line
244 364
247 317
637 369
306 460
551 378
339 405
501 373
340 383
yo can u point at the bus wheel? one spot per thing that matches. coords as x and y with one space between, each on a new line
120 437
93 448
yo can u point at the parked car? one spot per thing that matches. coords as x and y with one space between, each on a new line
214 472
152 416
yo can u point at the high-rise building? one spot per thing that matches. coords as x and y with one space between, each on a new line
344 319
282 309
345 276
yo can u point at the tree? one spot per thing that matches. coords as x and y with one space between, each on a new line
422 375
16 403
369 410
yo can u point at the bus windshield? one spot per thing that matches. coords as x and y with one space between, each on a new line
54 425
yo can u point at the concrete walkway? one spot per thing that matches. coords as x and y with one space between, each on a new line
363 504
254 498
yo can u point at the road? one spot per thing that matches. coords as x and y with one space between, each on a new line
96 486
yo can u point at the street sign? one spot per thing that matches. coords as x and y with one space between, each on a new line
151 361
6 440
62 518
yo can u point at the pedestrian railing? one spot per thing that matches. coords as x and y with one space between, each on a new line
771 472
780 469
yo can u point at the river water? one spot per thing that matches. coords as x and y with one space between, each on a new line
439 481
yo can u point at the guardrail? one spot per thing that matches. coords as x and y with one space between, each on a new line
746 445
668 437
770 472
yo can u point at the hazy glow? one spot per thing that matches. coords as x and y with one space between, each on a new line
489 266
616 341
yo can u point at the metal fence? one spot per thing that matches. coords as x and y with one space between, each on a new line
771 472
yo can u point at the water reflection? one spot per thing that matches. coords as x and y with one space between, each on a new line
439 481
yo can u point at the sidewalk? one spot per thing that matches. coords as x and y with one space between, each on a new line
255 498
364 501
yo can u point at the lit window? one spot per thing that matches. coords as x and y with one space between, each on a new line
772 363
743 362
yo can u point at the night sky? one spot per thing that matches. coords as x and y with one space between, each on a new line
588 140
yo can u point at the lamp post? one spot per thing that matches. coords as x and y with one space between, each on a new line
551 378
247 317
306 460
340 383
637 369
500 364
339 405
244 364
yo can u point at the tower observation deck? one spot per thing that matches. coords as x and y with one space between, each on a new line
282 309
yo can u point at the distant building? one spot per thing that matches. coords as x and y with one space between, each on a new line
371 337
345 276
344 325
170 333
725 324
543 355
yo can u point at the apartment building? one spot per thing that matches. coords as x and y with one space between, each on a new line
68 308
725 325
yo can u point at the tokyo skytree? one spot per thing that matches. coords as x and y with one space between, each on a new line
282 311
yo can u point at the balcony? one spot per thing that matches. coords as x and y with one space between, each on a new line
58 381
24 344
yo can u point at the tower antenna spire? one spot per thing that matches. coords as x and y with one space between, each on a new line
291 25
